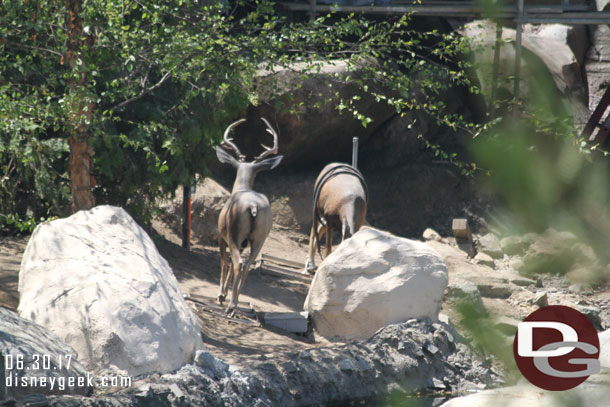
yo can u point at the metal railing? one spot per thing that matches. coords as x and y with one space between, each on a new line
564 12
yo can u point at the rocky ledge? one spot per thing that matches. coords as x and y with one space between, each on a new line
415 357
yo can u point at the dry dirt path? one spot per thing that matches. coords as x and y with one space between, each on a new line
198 272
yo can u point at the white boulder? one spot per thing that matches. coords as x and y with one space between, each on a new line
604 345
592 393
372 280
97 281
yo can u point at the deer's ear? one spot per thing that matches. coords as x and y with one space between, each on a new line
269 163
225 157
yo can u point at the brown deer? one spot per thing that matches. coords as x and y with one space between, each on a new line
340 201
246 217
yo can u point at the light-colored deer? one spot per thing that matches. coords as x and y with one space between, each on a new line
246 217
340 201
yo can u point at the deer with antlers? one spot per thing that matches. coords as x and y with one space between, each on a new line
340 201
246 217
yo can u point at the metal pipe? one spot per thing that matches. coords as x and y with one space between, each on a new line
186 217
355 152
496 68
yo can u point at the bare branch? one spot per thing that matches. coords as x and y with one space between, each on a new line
144 92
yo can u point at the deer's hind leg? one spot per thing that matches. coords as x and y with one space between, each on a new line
222 291
255 248
237 267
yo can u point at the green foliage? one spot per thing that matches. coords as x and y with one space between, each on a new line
163 79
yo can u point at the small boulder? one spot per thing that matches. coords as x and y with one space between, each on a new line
512 245
561 253
541 299
431 234
97 281
484 259
490 245
372 280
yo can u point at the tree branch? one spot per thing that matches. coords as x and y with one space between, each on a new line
144 92
50 51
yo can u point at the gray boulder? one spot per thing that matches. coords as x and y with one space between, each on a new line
37 361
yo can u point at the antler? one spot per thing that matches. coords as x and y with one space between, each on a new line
228 142
268 150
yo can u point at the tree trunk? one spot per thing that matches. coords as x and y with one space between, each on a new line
80 112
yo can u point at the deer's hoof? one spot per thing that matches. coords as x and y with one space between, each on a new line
221 298
230 311
310 268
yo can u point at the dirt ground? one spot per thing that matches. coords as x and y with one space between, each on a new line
198 271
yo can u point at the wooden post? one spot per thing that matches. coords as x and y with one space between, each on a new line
186 217
355 152
518 55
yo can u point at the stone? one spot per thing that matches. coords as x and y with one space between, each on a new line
32 351
484 259
556 252
604 344
523 281
541 299
515 263
490 245
97 281
206 360
347 365
495 290
431 234
374 279
512 245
